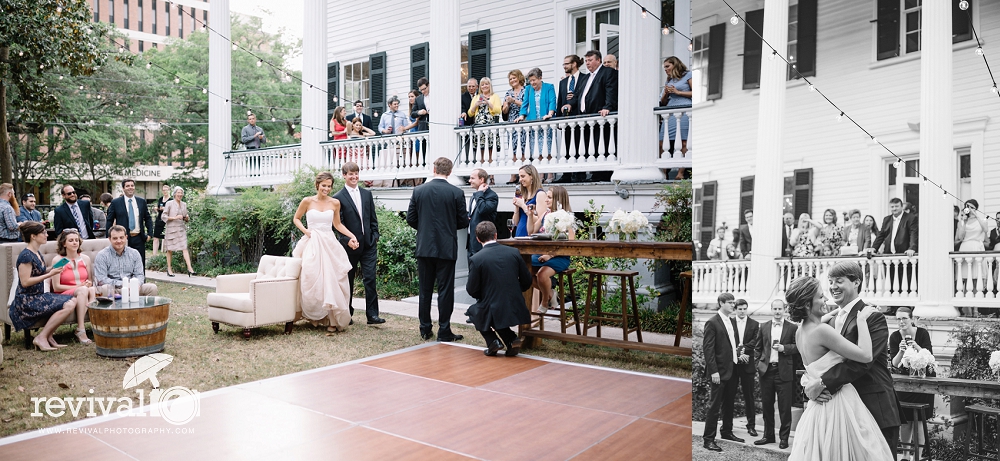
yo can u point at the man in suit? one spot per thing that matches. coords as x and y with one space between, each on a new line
872 380
472 86
899 234
357 213
131 213
721 359
437 211
787 225
746 234
482 206
252 135
500 303
419 109
74 214
748 331
568 103
599 96
776 353
99 216
359 111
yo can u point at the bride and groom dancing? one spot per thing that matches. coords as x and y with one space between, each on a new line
329 266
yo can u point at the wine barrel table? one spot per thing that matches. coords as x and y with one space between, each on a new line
130 329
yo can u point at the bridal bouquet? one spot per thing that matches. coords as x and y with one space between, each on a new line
919 362
559 223
629 223
995 362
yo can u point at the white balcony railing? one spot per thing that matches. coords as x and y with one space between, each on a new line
711 278
976 278
381 157
666 118
262 167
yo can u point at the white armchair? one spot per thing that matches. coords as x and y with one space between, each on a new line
268 297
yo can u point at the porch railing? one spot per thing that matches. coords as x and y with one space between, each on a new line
976 278
711 278
381 157
262 167
678 119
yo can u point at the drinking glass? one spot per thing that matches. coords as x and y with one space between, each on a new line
593 232
510 226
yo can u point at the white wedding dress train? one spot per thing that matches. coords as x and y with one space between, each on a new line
323 281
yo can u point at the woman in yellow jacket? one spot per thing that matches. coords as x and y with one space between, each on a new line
486 108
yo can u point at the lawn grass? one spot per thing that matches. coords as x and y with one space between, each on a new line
204 361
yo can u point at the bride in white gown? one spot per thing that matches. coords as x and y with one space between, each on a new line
841 429
323 280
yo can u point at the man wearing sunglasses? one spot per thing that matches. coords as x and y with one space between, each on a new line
74 214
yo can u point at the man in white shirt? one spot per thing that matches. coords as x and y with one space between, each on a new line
898 235
776 358
130 212
748 331
721 358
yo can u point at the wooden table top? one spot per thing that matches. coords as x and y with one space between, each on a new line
948 386
678 251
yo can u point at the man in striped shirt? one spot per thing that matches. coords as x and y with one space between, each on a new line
118 261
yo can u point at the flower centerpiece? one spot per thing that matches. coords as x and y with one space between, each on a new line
919 362
628 224
995 363
559 223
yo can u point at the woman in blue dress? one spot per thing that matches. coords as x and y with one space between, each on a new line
31 303
525 199
548 265
676 94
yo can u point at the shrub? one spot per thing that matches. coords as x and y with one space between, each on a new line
397 265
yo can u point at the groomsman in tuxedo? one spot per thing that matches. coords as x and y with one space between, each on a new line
437 211
500 304
73 214
872 380
748 330
482 207
357 213
130 212
776 357
721 359
787 226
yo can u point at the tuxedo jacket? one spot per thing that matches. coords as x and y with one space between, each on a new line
786 250
118 214
718 352
581 82
748 339
994 240
482 207
365 120
352 220
437 211
422 120
63 218
499 295
906 234
786 359
872 380
603 93
746 240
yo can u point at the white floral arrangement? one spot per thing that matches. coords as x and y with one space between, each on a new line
922 360
995 362
629 223
559 223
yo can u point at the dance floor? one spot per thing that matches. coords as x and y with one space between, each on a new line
433 401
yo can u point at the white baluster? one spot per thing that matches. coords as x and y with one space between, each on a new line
613 143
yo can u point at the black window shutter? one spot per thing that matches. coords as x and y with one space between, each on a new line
419 60
707 230
377 65
887 29
332 88
752 46
716 58
746 197
802 198
960 27
479 54
805 62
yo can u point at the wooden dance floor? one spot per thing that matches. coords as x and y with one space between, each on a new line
433 401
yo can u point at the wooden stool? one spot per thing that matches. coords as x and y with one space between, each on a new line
685 278
915 410
979 415
562 303
596 279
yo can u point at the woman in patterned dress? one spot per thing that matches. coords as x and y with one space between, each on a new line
175 215
512 101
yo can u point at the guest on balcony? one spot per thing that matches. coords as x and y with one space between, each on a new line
556 199
719 249
994 242
539 104
338 124
525 198
830 236
746 234
485 109
512 101
869 221
857 236
899 233
599 95
472 89
788 226
971 237
805 239
610 61
418 109
253 135
676 94
393 121
359 112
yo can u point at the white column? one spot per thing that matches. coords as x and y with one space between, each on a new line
639 69
682 23
768 180
220 127
314 60
937 161
444 75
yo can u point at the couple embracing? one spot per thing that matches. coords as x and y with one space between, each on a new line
852 413
329 265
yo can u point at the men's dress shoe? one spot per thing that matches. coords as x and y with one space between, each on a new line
514 349
764 441
448 339
426 336
752 432
351 322
732 438
493 347
711 446
375 320
783 444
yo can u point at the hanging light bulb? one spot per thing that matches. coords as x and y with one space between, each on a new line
234 47
666 30
923 179
81 87
59 9
204 91
690 46
774 54
898 163
149 65
272 119
249 112
840 117
734 20
117 103
177 79
260 62
812 87
994 89
963 5
60 77
979 50
944 194
874 140
130 112
644 13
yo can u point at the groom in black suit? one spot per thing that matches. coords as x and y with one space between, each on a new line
720 343
872 380
500 303
357 213
130 212
437 211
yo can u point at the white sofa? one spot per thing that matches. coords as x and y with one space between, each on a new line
269 296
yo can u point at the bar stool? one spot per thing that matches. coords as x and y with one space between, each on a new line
562 303
685 279
979 415
596 279
916 410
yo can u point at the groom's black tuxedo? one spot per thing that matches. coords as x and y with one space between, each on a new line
872 380
719 359
367 253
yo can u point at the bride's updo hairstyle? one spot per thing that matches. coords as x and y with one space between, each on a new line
323 176
799 297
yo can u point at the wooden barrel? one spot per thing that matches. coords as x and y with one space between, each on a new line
130 329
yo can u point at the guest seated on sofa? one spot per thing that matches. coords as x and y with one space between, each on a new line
77 278
118 261
31 304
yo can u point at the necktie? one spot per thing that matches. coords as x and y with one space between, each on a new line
393 125
841 319
586 88
75 208
131 215
572 83
892 238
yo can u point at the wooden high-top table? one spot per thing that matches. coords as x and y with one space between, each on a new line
604 249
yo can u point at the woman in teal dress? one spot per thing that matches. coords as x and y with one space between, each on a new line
31 303
525 200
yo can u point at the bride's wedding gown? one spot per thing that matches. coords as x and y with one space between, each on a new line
324 285
841 429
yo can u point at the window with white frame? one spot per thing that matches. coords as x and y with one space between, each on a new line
904 182
699 68
911 26
899 26
357 87
596 26
964 173
788 196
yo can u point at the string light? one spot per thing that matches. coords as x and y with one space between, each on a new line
812 87
177 79
666 31
963 5
898 163
234 47
204 91
260 62
149 65
979 50
735 20
774 54
644 13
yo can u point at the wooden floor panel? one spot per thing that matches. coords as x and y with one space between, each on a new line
459 365
676 412
363 444
643 440
75 446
